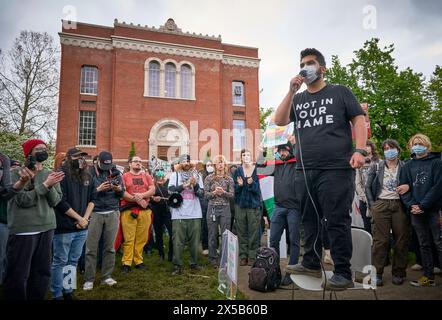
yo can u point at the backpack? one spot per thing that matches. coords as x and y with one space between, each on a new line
265 274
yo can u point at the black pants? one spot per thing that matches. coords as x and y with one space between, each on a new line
29 266
332 192
367 220
161 219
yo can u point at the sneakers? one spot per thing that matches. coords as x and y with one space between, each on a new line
177 270
286 281
196 267
416 267
423 282
205 252
125 268
110 282
338 283
243 262
379 280
68 296
397 280
437 270
300 269
327 257
88 285
141 266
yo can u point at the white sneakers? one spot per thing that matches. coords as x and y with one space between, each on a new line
437 270
110 282
205 252
88 285
416 267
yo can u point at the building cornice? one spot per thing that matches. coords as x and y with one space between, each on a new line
169 27
156 47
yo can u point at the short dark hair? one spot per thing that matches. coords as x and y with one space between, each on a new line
314 52
392 144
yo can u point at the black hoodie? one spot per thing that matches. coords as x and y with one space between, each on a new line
424 176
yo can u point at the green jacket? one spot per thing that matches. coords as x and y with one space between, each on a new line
31 210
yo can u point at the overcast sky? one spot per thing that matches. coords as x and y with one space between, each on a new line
279 28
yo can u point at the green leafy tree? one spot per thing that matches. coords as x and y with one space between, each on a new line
263 114
132 151
433 123
396 99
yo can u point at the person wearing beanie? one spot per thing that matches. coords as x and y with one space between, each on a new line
31 223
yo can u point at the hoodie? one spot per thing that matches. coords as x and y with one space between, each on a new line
424 176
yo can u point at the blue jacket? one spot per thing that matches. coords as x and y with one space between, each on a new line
424 176
106 200
247 195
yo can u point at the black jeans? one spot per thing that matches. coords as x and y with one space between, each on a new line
162 219
332 192
367 220
29 266
427 227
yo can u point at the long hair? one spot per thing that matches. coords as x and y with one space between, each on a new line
374 153
221 159
80 175
58 160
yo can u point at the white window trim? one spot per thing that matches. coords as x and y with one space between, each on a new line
243 93
81 72
162 78
79 128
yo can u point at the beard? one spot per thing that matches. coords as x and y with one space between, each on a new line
136 169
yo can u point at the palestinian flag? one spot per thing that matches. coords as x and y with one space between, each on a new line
266 182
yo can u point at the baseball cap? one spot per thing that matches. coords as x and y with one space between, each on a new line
105 159
75 152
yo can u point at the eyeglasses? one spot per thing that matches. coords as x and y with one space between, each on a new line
136 161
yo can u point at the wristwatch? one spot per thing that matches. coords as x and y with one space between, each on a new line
362 151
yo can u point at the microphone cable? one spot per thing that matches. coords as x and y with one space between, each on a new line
319 224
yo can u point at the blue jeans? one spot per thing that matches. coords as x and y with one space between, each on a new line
280 218
4 233
67 249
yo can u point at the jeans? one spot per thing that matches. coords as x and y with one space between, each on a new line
280 218
332 192
4 233
67 249
427 228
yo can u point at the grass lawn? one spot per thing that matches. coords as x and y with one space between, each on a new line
157 283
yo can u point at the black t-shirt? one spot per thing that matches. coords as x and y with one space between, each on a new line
323 119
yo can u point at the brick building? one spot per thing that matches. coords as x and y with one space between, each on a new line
131 83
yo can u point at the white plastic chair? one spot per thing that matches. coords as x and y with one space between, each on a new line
360 262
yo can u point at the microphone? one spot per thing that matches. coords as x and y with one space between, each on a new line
302 73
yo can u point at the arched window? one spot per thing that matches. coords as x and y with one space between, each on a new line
186 81
154 79
170 80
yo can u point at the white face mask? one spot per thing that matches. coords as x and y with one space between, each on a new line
210 169
312 74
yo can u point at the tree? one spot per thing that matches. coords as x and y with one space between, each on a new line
263 114
433 124
29 85
132 151
396 98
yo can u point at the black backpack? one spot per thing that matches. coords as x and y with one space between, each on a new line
265 274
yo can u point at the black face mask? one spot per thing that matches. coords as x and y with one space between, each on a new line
41 156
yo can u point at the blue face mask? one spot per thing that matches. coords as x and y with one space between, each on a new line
418 149
391 154
277 156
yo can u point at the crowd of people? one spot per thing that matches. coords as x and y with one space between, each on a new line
77 215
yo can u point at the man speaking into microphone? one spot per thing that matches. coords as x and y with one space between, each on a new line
326 159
